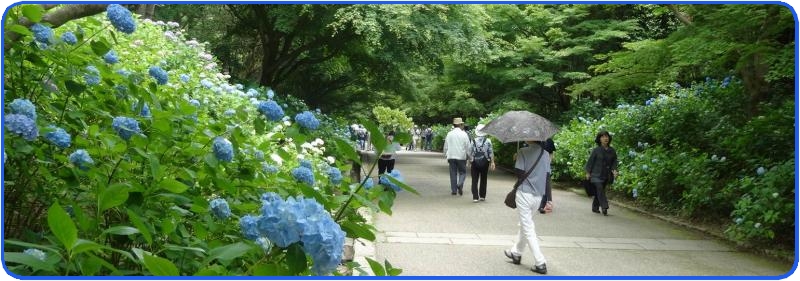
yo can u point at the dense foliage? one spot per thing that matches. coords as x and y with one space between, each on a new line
128 152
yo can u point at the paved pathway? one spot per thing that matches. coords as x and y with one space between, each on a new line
437 234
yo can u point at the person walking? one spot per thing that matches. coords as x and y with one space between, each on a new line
456 146
386 161
601 169
428 136
529 196
482 157
550 147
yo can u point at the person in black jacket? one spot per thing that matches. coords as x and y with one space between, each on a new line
601 169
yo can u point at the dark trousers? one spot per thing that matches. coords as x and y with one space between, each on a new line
479 173
458 173
548 193
385 165
600 199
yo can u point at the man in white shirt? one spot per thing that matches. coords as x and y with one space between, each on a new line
456 146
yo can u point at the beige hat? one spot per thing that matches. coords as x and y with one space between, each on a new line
457 121
478 130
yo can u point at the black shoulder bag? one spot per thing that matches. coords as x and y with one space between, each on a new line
511 197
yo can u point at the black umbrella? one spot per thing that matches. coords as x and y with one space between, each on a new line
520 126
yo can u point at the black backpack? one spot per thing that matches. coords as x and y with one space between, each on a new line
480 159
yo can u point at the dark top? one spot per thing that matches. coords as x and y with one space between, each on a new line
600 164
549 146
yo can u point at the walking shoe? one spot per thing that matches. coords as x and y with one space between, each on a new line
515 259
596 211
541 211
474 200
541 269
483 199
460 191
605 212
452 193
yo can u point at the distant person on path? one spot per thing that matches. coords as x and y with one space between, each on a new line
601 169
386 161
482 157
550 147
456 146
529 196
428 135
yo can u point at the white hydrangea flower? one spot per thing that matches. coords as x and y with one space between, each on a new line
287 123
332 160
277 158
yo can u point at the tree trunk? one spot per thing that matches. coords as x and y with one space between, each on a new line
753 80
56 17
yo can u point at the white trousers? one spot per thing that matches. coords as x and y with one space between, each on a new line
526 203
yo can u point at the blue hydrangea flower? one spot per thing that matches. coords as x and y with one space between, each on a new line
220 208
307 164
395 174
206 83
303 174
126 127
252 92
159 74
279 221
24 107
121 91
270 197
368 184
269 169
92 75
307 120
760 171
69 38
59 137
81 159
121 18
271 110
223 149
265 244
111 57
270 94
41 33
248 225
229 112
145 112
36 253
725 82
22 125
323 239
184 78
259 155
335 175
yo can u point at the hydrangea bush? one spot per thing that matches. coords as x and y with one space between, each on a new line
153 163
690 151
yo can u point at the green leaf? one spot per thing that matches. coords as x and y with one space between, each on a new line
30 245
154 166
90 266
377 269
100 48
260 125
74 88
121 230
345 148
366 202
375 136
113 196
33 12
401 184
173 186
61 225
159 266
358 231
227 252
20 29
265 270
296 259
83 245
28 260
402 137
139 224
214 270
390 270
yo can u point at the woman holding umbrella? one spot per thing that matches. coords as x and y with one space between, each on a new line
601 169
533 161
